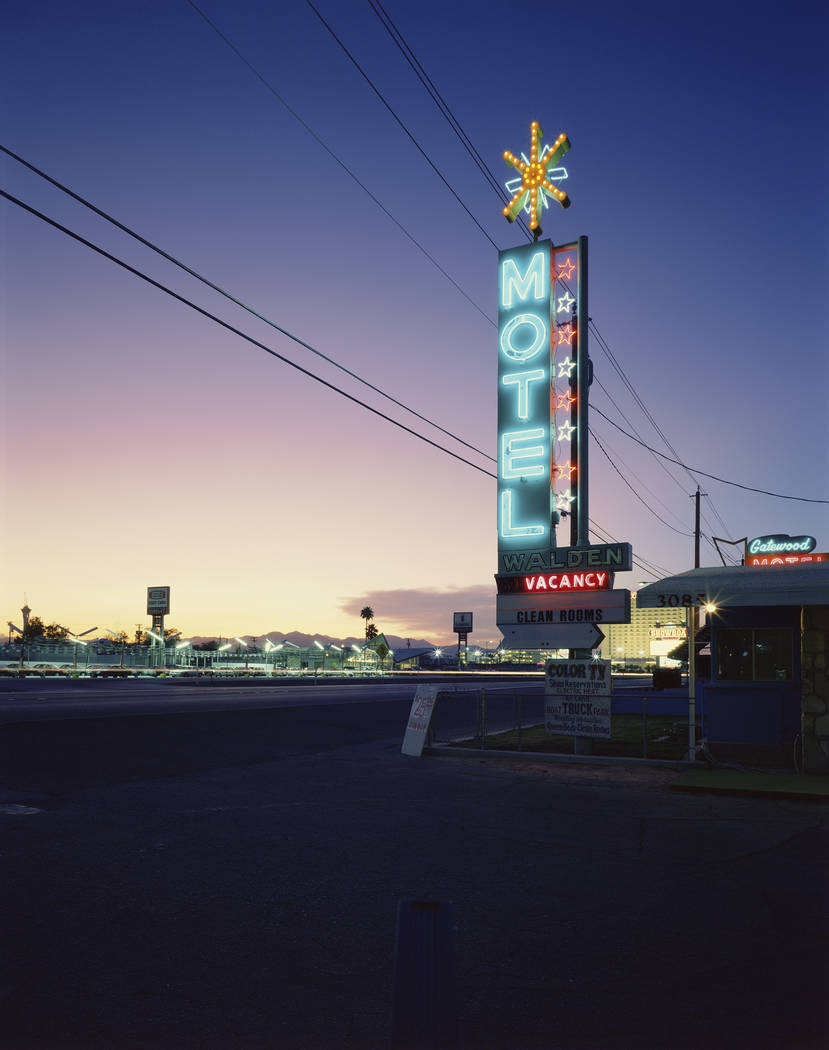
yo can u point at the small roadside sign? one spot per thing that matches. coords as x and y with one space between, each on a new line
420 717
577 698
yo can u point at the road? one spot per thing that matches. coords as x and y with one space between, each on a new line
228 878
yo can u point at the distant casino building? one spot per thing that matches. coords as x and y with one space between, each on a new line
646 640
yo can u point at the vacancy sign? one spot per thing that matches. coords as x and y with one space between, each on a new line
419 718
577 698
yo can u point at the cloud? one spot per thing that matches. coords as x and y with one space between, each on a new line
428 611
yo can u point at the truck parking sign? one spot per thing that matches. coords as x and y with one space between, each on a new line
577 698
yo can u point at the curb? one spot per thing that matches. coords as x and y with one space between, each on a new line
446 750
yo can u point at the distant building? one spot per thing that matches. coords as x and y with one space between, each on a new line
646 641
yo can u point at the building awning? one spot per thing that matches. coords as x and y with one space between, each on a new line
740 585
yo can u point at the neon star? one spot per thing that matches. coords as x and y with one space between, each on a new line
565 334
565 431
565 401
564 500
565 269
535 177
565 367
565 303
561 470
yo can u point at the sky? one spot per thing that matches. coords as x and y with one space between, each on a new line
144 445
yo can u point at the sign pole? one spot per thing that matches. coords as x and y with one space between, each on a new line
580 522
580 514
691 613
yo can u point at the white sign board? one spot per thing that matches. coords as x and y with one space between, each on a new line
577 698
552 636
419 718
596 607
158 601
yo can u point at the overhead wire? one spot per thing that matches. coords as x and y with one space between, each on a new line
605 347
632 489
641 561
705 474
340 162
400 122
242 335
397 37
443 106
493 180
232 298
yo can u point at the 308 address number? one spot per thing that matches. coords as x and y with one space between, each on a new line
673 600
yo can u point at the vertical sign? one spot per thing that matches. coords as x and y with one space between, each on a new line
568 401
577 698
419 718
524 385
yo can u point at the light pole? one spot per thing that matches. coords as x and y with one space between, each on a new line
122 639
244 644
77 642
691 627
183 645
158 638
271 648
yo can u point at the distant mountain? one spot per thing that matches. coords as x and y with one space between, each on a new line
305 641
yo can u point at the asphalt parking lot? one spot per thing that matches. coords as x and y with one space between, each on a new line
245 896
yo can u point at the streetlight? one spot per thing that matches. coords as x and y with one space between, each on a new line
691 627
244 645
183 645
122 639
77 642
158 638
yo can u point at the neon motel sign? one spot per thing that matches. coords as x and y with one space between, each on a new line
524 383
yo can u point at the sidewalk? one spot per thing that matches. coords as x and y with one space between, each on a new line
751 782
700 778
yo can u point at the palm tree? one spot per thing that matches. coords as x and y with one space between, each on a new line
367 614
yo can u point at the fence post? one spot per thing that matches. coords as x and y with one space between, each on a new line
644 727
483 719
424 1012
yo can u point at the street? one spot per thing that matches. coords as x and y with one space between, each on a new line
225 873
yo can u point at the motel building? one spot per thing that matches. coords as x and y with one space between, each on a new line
766 696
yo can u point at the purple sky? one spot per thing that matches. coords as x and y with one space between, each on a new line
143 445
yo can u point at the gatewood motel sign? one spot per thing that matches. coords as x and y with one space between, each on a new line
549 596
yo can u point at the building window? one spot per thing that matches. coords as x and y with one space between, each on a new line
754 655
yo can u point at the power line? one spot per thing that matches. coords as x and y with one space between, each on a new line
406 131
697 470
255 313
338 161
443 106
241 334
632 489
447 112
612 358
632 425
641 561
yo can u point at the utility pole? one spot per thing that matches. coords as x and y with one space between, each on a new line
696 528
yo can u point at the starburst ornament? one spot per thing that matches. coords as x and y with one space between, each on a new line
535 180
